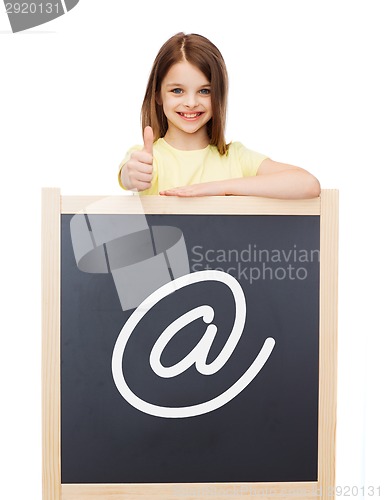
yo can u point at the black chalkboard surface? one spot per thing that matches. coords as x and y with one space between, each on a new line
267 432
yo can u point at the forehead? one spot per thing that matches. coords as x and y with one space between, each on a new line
185 73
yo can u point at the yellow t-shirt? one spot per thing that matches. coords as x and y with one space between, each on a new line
174 168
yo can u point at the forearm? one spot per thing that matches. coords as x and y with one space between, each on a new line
288 184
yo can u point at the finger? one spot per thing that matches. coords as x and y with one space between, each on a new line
171 192
141 157
142 165
141 186
167 192
148 140
141 177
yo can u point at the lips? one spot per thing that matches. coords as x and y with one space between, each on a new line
190 116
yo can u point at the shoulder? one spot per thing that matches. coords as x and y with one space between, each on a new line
238 147
245 154
248 159
234 149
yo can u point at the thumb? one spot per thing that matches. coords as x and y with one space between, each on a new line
148 140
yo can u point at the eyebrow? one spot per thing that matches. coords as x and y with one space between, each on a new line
182 85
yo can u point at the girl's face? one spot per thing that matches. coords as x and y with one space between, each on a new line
185 95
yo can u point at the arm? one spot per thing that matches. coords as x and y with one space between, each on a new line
273 180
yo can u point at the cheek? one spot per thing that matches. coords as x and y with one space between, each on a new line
168 102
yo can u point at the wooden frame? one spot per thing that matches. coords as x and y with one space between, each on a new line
53 205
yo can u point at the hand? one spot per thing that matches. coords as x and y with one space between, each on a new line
137 172
215 188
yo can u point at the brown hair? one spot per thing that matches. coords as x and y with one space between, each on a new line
203 54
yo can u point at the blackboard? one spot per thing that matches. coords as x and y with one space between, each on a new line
267 430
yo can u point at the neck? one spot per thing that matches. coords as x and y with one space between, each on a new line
187 142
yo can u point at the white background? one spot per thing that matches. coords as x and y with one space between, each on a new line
306 87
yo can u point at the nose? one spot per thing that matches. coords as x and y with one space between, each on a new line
190 100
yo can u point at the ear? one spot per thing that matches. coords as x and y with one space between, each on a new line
158 99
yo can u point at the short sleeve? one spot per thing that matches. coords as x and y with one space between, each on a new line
249 160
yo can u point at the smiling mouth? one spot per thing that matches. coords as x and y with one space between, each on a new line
190 116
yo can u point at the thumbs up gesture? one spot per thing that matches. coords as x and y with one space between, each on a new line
137 172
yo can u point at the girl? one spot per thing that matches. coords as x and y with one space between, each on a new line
183 120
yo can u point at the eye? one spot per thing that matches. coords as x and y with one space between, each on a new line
205 91
177 91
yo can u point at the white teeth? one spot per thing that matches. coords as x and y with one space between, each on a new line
190 115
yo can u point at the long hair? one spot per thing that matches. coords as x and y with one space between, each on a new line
203 54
